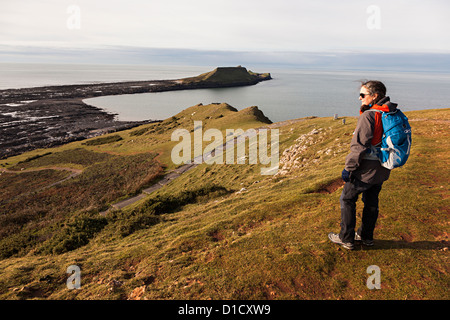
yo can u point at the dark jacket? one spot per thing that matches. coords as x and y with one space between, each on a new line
367 133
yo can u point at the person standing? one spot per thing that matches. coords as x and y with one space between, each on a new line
363 173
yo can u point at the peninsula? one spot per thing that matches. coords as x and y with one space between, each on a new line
43 117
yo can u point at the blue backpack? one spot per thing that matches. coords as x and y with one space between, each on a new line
393 152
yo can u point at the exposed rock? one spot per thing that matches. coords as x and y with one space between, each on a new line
242 190
292 157
137 293
114 284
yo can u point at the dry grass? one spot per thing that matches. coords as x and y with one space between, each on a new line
267 241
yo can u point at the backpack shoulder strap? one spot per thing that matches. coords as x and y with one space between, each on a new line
375 110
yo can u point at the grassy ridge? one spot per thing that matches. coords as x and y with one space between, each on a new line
226 232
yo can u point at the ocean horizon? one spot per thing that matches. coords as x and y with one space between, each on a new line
292 93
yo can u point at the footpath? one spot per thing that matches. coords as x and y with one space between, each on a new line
182 169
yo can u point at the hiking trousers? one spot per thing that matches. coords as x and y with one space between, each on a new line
349 196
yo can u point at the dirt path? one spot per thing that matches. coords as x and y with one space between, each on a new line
161 183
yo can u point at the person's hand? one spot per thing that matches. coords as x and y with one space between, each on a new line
345 175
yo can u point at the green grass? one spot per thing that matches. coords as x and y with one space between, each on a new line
105 140
77 157
204 237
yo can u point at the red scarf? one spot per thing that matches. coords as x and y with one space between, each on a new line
378 128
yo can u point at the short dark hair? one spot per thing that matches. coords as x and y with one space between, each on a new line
375 86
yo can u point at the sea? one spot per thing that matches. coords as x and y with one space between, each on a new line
292 93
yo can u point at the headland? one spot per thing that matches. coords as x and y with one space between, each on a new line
42 117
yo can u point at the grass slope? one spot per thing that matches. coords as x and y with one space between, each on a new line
226 232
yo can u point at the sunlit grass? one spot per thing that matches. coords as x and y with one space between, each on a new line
266 236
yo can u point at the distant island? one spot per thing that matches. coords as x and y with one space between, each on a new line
42 117
227 77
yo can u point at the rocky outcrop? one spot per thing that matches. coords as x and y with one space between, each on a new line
297 156
291 157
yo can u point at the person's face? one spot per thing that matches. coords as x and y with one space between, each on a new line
368 99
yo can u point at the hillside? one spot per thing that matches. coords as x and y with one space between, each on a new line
221 231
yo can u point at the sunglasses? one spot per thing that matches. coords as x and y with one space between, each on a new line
363 95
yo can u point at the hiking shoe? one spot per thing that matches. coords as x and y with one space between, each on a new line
334 237
368 243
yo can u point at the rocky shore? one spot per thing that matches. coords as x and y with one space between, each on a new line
43 117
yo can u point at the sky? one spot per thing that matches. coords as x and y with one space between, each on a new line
269 27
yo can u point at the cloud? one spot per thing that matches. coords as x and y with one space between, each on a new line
254 60
237 25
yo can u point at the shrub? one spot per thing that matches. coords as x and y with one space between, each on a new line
35 157
15 244
125 225
75 234
169 203
148 214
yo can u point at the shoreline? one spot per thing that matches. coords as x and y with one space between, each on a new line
43 117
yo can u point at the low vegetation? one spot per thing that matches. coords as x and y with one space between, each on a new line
32 216
103 140
223 231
